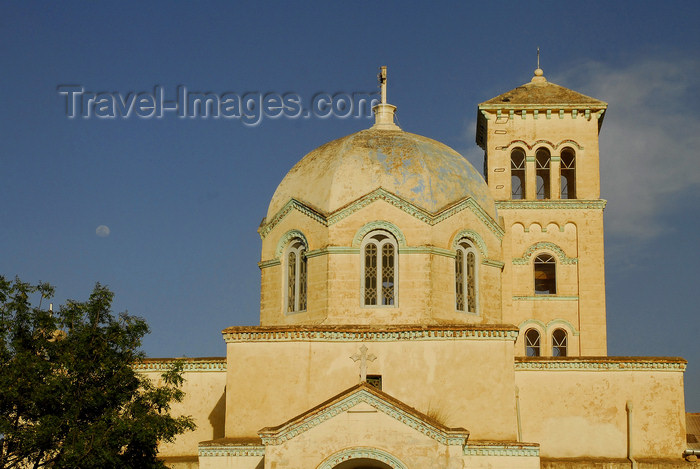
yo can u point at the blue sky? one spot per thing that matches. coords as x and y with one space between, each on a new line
183 197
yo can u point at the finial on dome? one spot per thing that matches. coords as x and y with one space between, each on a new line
539 73
383 112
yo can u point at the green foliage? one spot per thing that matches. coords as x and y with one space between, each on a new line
69 395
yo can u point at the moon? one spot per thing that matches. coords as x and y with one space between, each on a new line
102 231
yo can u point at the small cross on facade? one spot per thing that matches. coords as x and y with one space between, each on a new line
363 358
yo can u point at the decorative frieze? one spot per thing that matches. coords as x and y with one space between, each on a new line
600 364
544 298
366 333
552 204
188 365
488 449
231 450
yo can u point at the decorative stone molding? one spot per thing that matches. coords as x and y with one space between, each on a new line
600 363
293 204
332 250
286 238
381 194
473 236
402 250
231 450
544 297
552 204
189 364
501 449
427 250
493 263
409 417
362 453
270 263
367 333
378 225
544 246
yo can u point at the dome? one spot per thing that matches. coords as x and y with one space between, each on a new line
421 171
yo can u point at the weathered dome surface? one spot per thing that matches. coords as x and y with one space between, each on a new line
420 170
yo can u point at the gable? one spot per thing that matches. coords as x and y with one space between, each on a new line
365 403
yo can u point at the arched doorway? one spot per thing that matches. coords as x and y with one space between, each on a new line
362 458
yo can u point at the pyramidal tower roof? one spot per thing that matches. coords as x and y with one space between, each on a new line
541 93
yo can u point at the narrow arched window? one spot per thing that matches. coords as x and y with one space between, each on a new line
295 276
532 343
517 174
559 343
568 174
466 277
545 275
542 163
379 268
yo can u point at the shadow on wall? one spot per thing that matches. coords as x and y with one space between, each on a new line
217 417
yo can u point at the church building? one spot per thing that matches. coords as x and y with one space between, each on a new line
415 314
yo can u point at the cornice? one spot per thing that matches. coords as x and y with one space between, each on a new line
188 364
600 363
407 416
537 107
551 204
498 448
354 333
381 194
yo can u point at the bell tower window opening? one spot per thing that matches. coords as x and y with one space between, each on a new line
379 269
568 174
296 277
545 275
532 343
466 277
542 164
517 174
559 343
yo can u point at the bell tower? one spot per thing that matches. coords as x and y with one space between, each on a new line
541 163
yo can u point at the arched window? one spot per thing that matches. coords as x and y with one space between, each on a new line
568 174
545 275
466 276
295 276
532 343
517 174
559 343
542 161
379 268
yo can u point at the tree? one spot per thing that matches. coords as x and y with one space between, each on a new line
69 395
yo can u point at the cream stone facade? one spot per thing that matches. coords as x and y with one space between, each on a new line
416 315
